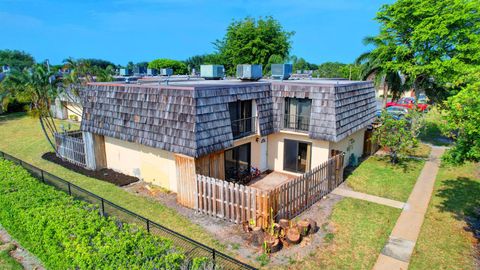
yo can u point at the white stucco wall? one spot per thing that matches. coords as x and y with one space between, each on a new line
320 149
351 144
149 164
74 110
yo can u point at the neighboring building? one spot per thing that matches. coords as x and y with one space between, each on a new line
165 134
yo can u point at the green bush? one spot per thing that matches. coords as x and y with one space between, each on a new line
68 234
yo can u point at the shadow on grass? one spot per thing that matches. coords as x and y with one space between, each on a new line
402 163
11 116
462 198
433 135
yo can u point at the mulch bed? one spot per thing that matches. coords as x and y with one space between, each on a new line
107 175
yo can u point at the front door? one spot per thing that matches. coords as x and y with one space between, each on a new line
296 156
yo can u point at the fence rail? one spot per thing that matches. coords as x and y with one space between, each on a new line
191 248
70 146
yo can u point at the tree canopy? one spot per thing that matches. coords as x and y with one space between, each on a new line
434 43
253 41
177 66
16 59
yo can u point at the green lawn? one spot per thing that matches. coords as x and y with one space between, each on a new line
443 242
432 133
361 229
6 261
21 136
377 176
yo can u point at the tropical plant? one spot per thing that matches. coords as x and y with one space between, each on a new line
375 62
41 87
253 41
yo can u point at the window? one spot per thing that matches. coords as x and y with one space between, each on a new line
243 123
237 163
297 113
297 156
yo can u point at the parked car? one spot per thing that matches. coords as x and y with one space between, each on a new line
397 112
409 103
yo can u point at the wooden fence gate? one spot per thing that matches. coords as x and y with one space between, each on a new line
70 147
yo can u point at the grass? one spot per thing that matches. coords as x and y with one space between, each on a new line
431 133
422 151
21 136
377 176
361 229
444 241
6 261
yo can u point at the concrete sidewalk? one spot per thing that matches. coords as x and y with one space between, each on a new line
367 197
399 248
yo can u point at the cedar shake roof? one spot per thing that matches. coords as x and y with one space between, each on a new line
192 117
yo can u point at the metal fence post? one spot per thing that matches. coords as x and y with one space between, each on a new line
43 177
148 225
69 189
213 257
103 208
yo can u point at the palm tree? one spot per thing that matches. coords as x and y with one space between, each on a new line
41 86
375 62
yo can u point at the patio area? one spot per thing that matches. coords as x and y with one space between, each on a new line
269 181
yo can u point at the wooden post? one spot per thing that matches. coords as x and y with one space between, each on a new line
95 156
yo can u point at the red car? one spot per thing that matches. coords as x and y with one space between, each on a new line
408 102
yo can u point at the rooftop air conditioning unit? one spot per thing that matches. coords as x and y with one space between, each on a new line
166 71
151 72
211 72
125 72
249 72
281 71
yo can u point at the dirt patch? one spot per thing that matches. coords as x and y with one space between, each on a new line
233 236
21 255
107 175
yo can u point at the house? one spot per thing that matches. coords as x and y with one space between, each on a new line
167 133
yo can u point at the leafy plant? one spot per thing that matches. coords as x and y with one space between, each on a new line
263 259
69 234
462 114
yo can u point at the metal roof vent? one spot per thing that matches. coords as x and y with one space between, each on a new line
166 72
212 72
281 71
249 72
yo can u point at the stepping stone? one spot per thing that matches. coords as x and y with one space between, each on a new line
399 249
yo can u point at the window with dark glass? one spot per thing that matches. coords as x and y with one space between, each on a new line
297 156
297 113
237 163
243 123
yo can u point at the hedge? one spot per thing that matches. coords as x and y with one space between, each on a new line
69 234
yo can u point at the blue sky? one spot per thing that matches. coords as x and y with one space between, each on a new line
122 30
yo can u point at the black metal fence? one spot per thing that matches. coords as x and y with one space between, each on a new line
191 248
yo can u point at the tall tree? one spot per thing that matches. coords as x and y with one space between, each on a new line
253 41
16 59
436 42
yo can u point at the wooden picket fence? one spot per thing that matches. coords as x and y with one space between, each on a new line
292 198
238 203
70 147
232 202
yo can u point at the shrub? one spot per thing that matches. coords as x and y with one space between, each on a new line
70 234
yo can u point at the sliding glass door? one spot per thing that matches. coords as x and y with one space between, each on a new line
237 163
297 156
